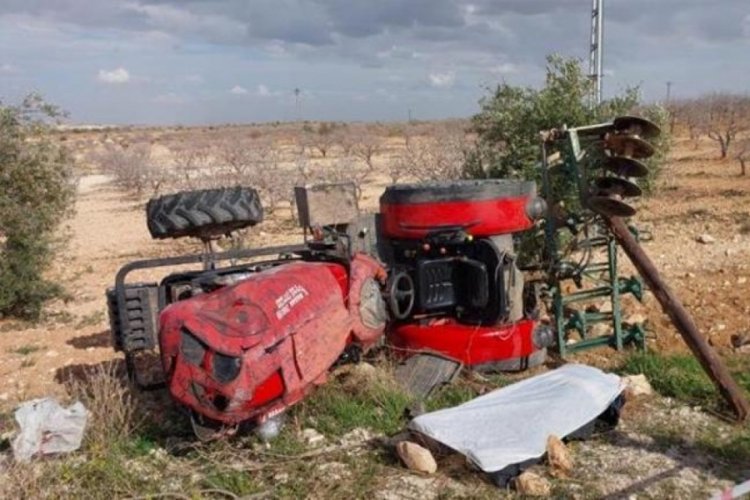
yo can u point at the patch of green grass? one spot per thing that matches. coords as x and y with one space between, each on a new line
288 442
736 450
724 451
451 395
140 445
59 317
239 482
682 377
333 476
25 350
114 472
678 376
334 410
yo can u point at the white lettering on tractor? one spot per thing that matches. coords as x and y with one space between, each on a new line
287 300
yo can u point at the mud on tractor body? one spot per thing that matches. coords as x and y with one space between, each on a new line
434 271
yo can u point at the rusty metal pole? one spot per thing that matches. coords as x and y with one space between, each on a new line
681 319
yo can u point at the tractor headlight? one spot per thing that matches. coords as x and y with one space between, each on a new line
226 368
193 350
543 336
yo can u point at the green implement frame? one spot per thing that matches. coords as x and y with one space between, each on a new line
596 276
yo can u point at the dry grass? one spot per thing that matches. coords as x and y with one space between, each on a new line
111 406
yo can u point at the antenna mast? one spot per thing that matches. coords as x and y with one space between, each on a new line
296 103
595 51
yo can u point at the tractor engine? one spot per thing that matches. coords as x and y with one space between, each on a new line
454 285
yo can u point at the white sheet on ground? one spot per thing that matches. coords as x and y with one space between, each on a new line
511 424
48 428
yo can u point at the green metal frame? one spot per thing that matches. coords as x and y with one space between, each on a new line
598 279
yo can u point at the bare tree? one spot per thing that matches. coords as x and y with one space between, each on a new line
742 154
133 168
274 183
348 169
323 139
238 157
433 158
689 112
725 116
365 148
191 163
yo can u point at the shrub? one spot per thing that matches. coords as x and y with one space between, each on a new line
36 193
511 118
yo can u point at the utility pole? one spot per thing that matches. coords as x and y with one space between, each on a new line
596 49
296 103
669 92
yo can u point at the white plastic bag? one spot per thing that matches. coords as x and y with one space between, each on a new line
48 428
511 425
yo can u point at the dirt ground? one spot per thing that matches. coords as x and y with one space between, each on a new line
698 195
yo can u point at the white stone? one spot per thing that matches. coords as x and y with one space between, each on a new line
416 457
356 437
312 437
637 385
558 457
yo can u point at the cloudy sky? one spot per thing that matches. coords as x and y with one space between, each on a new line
214 61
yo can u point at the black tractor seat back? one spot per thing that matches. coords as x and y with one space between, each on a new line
473 284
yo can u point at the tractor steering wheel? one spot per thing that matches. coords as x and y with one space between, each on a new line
401 295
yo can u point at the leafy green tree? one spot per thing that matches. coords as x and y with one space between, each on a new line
511 118
36 193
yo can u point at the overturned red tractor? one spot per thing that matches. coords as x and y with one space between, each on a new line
434 271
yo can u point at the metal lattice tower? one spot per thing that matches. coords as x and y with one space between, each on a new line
595 52
297 92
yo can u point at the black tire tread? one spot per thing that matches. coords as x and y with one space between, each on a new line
203 213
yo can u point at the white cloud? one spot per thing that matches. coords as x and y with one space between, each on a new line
215 27
8 69
264 91
238 90
195 79
442 80
169 98
118 75
504 69
276 48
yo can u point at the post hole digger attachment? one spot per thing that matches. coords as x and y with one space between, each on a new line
601 162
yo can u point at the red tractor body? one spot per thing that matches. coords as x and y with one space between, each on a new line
454 259
242 343
256 347
472 345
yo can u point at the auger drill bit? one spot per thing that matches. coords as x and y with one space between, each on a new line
625 145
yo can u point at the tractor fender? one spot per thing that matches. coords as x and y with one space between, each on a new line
366 305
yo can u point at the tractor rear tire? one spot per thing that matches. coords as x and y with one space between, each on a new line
207 213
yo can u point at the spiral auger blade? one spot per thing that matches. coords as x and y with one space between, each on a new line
624 144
